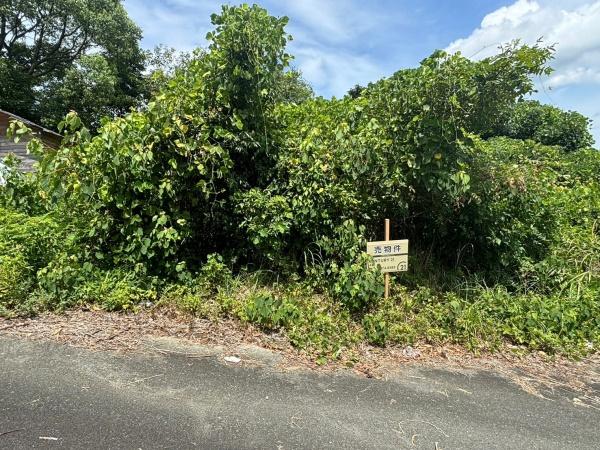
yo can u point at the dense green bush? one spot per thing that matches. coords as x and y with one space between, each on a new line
39 238
548 125
115 290
27 244
269 311
157 186
340 265
507 217
15 280
18 190
162 188
401 150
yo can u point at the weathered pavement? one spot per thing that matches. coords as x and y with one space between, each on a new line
53 396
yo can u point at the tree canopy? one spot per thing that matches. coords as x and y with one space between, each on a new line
547 124
44 47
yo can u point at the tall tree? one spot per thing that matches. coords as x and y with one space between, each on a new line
548 125
42 40
88 87
290 87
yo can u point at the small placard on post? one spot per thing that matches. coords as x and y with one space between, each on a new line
387 248
390 256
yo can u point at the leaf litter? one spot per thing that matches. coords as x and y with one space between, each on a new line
535 372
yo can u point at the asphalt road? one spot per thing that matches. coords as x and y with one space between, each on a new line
53 396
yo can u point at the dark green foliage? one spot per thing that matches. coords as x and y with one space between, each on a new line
269 311
502 79
17 189
356 91
482 318
342 266
114 290
267 220
155 179
89 87
290 87
27 245
402 150
38 238
548 125
506 218
15 281
44 70
16 89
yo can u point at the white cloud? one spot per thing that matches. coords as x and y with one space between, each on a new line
335 71
181 24
575 76
512 15
327 34
334 20
574 26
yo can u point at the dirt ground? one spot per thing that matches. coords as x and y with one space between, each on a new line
536 373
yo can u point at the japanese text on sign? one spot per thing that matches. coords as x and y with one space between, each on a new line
390 256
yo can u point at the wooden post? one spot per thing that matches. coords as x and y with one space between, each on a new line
387 275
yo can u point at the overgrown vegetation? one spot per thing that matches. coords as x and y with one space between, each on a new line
236 194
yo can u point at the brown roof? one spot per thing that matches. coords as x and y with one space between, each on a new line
30 124
7 146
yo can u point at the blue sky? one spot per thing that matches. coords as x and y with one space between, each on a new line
339 43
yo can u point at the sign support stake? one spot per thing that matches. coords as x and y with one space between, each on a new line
389 256
387 275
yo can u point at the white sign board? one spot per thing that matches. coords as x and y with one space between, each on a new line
390 256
